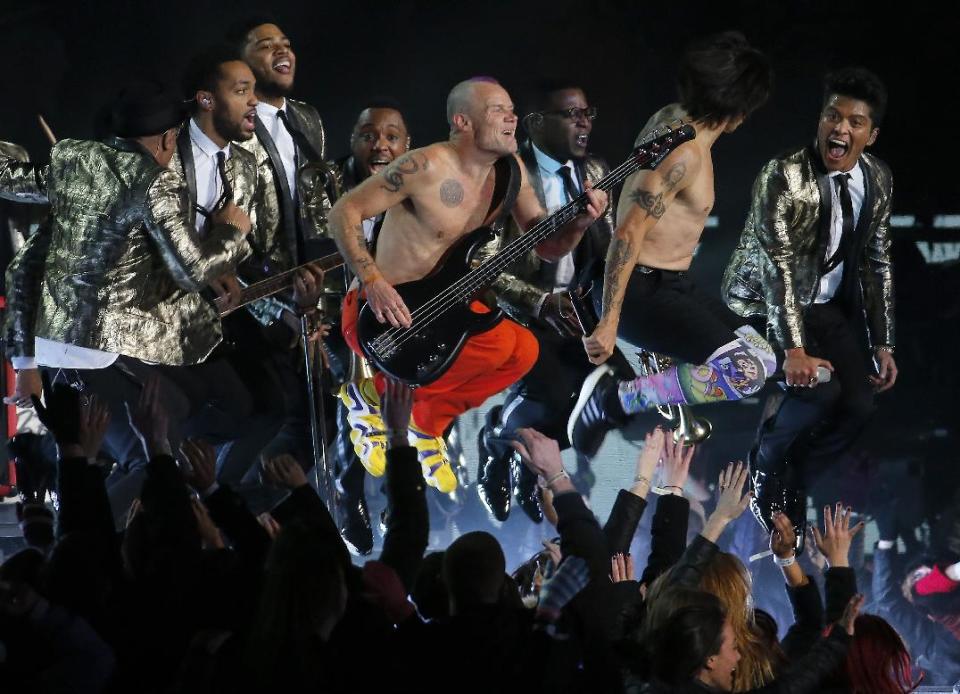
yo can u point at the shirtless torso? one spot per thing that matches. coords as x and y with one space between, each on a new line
435 195
660 219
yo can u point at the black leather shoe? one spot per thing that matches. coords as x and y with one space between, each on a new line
525 488
493 475
597 411
353 520
772 495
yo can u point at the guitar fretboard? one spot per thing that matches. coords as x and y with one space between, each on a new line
279 282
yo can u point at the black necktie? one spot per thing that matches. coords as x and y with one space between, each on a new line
224 181
299 139
846 209
569 187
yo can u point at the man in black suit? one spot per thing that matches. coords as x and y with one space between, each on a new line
558 123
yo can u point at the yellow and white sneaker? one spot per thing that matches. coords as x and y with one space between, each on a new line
434 459
367 430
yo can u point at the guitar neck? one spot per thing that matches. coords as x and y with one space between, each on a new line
277 283
523 244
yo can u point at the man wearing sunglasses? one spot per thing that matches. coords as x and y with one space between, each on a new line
558 125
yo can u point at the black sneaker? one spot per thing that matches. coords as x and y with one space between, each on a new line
597 411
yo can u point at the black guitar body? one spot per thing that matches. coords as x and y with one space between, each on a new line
421 354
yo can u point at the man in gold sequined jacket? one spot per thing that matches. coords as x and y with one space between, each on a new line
813 264
108 294
535 293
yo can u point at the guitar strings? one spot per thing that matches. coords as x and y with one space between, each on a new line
394 338
469 283
477 278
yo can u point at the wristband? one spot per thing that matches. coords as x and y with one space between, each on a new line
373 278
640 478
784 561
396 433
559 476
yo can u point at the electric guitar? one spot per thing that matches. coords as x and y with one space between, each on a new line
277 283
440 302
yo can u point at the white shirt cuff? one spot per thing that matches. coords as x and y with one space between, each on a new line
23 363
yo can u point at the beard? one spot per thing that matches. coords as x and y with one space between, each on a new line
271 89
229 130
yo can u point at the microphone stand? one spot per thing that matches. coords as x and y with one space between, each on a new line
322 473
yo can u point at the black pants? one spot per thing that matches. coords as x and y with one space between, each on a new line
544 398
813 427
665 312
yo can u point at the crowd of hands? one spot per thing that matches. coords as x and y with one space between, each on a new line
79 425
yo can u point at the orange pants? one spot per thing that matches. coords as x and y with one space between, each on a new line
489 362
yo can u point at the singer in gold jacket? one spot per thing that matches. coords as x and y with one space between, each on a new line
120 266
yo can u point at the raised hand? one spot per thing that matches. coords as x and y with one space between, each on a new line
676 462
397 405
284 471
851 612
202 462
94 420
621 568
540 453
61 413
783 539
209 532
732 502
148 418
837 535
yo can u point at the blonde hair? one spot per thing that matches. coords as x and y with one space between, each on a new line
726 577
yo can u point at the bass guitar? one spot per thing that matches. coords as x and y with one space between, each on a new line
439 303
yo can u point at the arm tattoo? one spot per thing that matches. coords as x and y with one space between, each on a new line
674 176
652 204
360 257
451 193
407 165
621 253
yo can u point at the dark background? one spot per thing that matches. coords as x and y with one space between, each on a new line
65 60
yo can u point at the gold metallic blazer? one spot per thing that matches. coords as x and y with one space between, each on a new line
520 290
775 270
279 242
120 264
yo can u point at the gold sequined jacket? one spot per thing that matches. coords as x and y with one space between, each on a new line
520 291
120 264
775 270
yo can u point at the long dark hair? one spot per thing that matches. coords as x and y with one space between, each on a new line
723 77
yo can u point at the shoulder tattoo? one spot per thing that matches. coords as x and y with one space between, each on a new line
407 165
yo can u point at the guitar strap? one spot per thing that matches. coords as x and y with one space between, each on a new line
505 188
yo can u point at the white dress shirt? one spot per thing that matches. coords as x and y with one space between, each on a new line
830 282
555 197
208 184
282 140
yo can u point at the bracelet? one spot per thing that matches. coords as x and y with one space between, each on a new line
672 486
883 348
396 433
373 278
641 478
785 561
559 476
